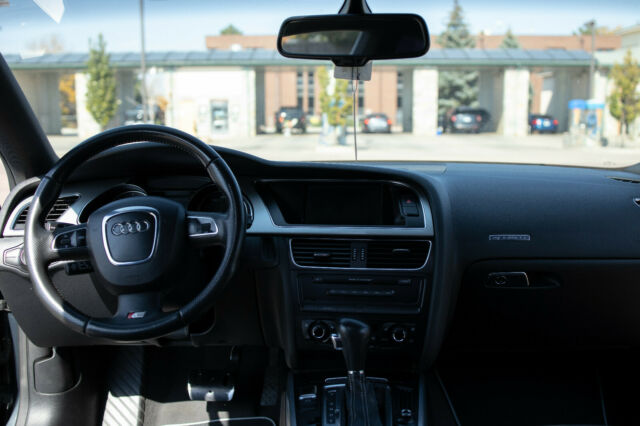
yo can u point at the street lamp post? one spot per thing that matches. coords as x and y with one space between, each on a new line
592 62
143 67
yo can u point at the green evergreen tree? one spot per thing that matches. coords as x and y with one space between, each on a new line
101 87
230 30
456 88
624 101
510 41
457 34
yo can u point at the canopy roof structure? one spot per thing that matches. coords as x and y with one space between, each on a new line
264 57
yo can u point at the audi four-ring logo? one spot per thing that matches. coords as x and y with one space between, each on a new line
130 227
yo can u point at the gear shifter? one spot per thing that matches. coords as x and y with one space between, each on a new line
362 407
355 336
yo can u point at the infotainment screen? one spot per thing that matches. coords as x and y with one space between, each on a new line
344 204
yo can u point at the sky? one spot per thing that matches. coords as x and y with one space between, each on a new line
183 24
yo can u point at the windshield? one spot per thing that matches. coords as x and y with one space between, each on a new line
515 82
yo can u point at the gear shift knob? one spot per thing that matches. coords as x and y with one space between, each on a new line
354 335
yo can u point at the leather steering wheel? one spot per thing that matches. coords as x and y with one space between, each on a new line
136 245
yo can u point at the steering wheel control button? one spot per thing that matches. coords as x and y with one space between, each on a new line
201 226
77 268
75 238
14 257
507 280
130 235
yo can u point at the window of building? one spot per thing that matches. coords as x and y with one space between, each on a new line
400 88
311 90
300 89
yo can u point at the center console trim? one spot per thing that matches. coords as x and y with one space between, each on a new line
347 269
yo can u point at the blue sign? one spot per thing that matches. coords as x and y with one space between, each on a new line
577 104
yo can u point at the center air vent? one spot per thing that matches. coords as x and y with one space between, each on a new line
361 254
321 253
397 254
59 207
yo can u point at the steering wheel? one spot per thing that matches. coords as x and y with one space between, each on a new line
135 245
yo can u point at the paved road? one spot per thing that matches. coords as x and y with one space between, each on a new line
537 149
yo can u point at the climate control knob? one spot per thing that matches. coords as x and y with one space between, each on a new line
399 334
318 331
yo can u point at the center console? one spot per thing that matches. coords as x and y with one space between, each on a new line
384 285
384 281
378 284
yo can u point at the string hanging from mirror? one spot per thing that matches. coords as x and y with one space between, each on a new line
354 89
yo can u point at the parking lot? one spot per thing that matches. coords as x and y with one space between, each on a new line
544 149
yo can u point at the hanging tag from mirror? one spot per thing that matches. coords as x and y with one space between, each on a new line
354 73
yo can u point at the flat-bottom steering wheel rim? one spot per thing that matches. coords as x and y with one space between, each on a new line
39 242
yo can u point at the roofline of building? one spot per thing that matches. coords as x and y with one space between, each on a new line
435 58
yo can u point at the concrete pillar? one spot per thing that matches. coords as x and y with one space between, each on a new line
125 88
250 101
41 89
87 126
407 100
260 101
490 88
425 101
560 88
515 102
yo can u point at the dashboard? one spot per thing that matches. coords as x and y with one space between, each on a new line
431 255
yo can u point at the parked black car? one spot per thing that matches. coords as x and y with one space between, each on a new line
376 123
466 119
294 114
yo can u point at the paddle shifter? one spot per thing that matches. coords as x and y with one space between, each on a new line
362 407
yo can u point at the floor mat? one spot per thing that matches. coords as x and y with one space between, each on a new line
528 394
125 405
165 387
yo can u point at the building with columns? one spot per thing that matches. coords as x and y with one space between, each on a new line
236 93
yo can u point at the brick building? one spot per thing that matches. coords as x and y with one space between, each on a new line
234 91
570 42
296 86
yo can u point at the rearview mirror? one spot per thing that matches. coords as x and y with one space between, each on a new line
353 40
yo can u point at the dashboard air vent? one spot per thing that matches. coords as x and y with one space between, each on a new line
321 253
397 254
60 206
